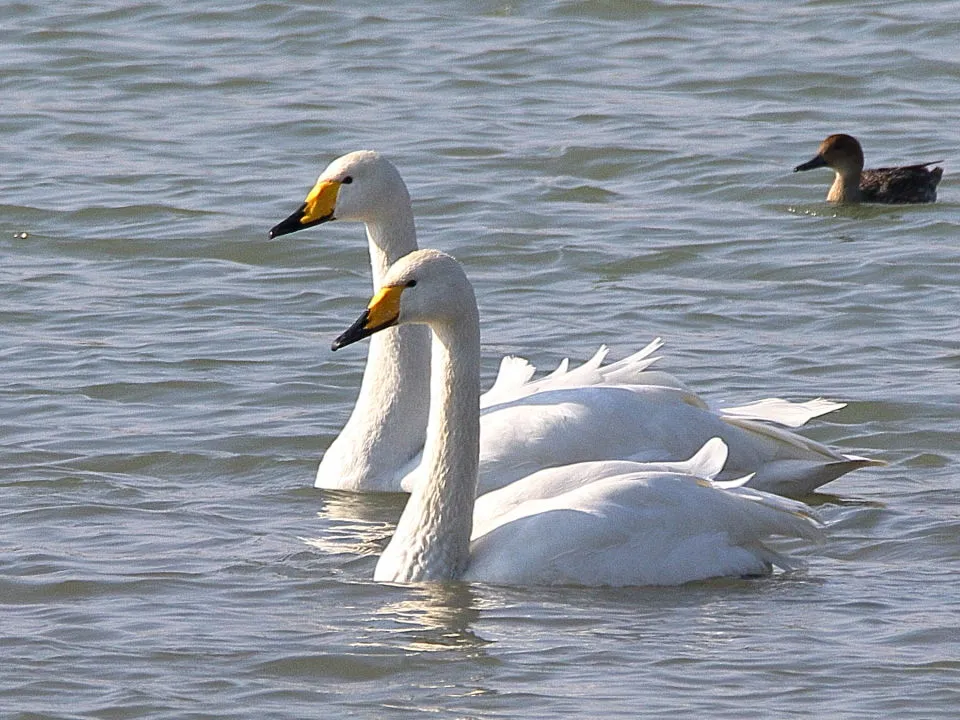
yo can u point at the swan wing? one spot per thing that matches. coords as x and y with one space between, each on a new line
602 422
551 482
637 529
643 423
513 379
514 373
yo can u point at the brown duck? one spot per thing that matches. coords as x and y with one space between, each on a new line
894 185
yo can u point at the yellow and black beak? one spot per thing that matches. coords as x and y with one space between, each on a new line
317 208
382 312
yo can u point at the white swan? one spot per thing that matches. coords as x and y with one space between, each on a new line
569 416
562 525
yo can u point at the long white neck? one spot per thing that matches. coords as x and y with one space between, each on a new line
389 419
391 234
432 540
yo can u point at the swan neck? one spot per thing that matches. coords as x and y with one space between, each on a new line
432 541
387 425
390 235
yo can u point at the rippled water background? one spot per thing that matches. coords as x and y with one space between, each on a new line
607 172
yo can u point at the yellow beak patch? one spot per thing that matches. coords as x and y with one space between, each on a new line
382 312
321 201
384 308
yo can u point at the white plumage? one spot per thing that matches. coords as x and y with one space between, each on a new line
592 412
608 523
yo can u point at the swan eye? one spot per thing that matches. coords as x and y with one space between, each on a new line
412 283
347 180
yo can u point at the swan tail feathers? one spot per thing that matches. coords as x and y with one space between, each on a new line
707 462
798 478
783 412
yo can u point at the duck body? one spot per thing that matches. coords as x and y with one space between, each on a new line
852 184
591 412
907 184
659 525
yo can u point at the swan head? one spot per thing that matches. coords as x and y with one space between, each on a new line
358 186
427 287
841 153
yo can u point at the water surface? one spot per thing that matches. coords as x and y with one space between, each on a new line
607 172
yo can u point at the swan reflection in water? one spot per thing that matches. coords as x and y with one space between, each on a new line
425 618
434 616
356 524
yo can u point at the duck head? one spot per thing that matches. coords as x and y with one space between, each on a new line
841 153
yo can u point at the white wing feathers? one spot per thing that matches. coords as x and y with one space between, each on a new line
640 528
783 412
513 378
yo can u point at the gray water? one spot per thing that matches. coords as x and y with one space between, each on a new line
607 172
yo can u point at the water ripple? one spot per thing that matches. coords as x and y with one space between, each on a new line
607 171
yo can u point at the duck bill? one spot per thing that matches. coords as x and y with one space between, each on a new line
817 162
317 208
382 312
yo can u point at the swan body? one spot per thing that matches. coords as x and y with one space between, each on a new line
550 482
591 412
613 523
640 528
642 423
852 184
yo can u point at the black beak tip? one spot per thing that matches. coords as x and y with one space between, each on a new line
289 225
356 332
340 342
295 222
347 338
